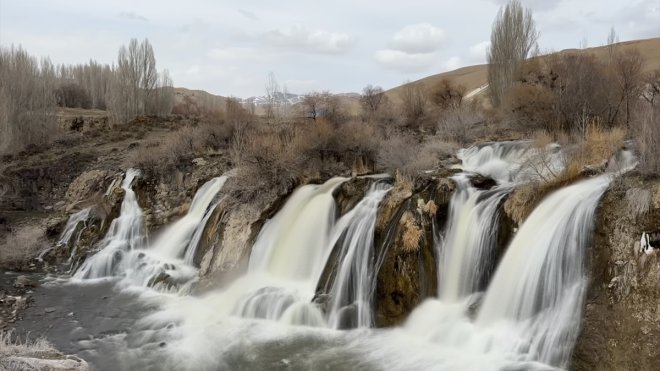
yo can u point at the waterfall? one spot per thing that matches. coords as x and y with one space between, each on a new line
353 283
123 251
288 257
173 242
467 250
191 249
126 233
540 283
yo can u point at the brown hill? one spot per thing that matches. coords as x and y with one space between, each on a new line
474 77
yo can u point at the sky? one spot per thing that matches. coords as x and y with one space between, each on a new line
229 47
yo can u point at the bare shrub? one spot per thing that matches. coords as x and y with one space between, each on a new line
454 124
412 232
532 107
21 245
401 153
651 87
447 95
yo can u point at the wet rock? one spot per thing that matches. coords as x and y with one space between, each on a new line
50 309
620 328
24 282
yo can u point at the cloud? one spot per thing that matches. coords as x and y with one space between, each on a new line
300 39
478 52
132 16
407 62
248 14
419 38
235 54
537 5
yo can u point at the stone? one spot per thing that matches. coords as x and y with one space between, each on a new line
50 309
24 282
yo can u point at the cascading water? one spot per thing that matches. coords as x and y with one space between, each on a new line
173 242
126 233
528 318
466 252
124 253
352 288
288 257
540 283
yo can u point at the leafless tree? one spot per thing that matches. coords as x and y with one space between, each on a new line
512 39
414 102
372 99
272 95
312 105
135 81
628 71
27 100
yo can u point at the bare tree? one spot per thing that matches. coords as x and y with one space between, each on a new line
272 93
312 105
135 81
628 70
27 100
512 39
414 102
372 99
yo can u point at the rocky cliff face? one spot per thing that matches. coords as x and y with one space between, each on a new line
621 321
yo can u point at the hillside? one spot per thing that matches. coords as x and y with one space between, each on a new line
474 77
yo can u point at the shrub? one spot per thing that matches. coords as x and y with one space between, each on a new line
445 94
646 131
21 245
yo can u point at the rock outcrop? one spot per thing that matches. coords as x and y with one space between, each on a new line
621 320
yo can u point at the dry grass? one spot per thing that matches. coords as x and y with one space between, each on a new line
12 346
21 245
412 232
639 201
592 152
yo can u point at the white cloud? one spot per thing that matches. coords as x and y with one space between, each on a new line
248 14
132 16
300 39
235 54
407 62
479 51
419 38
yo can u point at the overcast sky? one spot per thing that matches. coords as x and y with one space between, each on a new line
228 47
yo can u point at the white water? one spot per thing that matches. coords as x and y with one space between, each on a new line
125 254
528 319
466 251
288 258
126 233
173 242
354 281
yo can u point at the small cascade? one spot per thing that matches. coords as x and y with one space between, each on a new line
173 242
467 250
126 233
540 283
160 264
191 249
353 284
289 255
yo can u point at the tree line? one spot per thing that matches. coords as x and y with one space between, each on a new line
32 90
